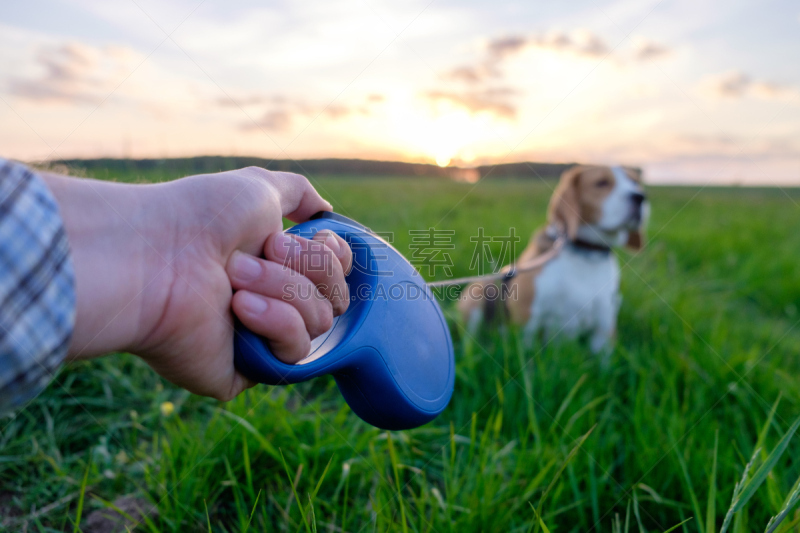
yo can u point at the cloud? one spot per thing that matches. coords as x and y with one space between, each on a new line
282 113
582 43
731 84
74 73
736 84
493 101
578 43
247 101
498 50
473 74
282 119
506 46
647 50
276 120
483 94
703 145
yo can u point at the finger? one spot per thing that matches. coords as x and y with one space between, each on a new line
299 200
239 385
277 321
313 260
273 280
339 247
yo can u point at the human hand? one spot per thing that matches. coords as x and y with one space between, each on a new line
156 267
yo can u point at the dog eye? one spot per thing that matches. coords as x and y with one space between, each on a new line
605 182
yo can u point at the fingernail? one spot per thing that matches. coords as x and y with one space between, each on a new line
332 242
245 267
284 245
255 305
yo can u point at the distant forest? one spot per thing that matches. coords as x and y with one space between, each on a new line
320 167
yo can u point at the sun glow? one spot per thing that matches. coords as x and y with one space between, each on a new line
445 135
449 135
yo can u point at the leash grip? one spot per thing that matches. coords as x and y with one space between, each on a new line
390 353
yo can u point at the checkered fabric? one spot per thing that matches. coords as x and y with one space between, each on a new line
37 286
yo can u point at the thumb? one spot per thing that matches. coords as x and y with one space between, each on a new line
299 200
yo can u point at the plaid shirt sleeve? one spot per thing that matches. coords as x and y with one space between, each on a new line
37 286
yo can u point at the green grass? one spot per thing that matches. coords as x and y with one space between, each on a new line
706 371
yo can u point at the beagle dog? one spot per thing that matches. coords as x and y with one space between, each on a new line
576 293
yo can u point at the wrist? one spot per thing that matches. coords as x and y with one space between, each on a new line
117 281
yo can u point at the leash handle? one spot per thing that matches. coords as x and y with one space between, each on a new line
390 353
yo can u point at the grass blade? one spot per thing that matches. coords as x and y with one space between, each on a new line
248 473
745 490
79 511
788 505
762 435
737 490
567 401
676 526
111 505
253 512
711 507
538 519
636 513
393 459
322 477
765 468
313 516
561 469
690 488
628 517
294 491
265 444
346 475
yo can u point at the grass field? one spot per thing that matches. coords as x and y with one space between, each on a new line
706 370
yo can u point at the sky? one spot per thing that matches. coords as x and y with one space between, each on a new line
692 92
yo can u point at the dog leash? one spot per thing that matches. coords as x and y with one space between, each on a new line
533 264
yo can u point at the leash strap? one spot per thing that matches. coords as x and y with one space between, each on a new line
533 264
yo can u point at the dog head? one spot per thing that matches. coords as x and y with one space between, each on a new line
603 205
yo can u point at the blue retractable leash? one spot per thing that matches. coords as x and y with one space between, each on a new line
390 353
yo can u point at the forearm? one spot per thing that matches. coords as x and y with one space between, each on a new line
105 227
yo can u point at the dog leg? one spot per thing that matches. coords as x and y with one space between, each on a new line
602 341
474 321
532 327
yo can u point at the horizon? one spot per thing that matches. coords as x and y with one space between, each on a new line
434 167
693 94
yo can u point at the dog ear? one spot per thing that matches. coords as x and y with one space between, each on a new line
635 173
635 240
565 210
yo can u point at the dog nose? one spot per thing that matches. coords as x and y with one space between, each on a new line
637 198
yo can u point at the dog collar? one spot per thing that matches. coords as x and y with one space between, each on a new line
553 232
590 246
